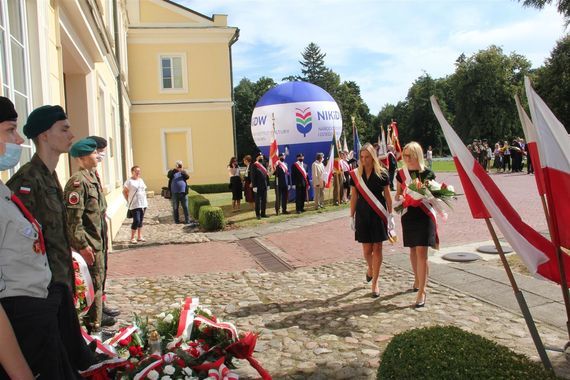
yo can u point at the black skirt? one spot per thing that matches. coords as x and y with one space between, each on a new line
418 229
235 185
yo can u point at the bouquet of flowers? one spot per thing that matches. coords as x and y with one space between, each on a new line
84 293
430 191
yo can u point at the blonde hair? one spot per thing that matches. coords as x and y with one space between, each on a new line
415 151
379 169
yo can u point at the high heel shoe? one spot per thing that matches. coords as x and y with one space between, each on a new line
422 303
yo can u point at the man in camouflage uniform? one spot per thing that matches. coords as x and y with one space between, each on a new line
83 198
37 186
101 153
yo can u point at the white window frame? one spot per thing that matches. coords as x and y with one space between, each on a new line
166 166
184 69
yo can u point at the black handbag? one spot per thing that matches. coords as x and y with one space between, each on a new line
129 214
165 192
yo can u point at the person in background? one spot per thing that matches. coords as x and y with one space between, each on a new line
247 187
235 184
101 153
177 178
134 191
38 191
506 150
371 211
300 180
392 165
282 186
85 224
418 229
318 172
260 182
429 157
345 168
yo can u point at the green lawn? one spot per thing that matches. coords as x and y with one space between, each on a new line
439 166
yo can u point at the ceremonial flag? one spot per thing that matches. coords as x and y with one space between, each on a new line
486 200
357 144
530 137
396 140
345 145
273 150
333 164
553 144
383 148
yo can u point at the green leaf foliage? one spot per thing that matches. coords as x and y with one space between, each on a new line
211 218
451 353
195 202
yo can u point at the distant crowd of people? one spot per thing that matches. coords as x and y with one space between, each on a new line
503 157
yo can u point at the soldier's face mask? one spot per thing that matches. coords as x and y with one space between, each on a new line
11 156
101 156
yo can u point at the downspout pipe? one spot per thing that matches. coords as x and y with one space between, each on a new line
120 91
233 41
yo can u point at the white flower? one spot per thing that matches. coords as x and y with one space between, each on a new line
190 378
206 311
187 371
166 378
153 375
433 185
169 370
168 318
161 315
450 188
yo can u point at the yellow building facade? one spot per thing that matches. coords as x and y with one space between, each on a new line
180 86
77 53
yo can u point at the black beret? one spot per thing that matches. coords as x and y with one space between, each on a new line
300 155
282 154
258 154
7 110
43 118
100 141
83 147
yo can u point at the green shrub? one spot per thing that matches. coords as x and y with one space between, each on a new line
212 188
192 192
211 218
194 204
451 353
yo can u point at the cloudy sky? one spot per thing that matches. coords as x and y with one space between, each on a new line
382 45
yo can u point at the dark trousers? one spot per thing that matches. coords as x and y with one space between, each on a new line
180 199
300 197
282 193
138 216
391 174
260 201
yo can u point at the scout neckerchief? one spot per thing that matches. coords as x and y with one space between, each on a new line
303 172
39 244
369 197
424 204
261 168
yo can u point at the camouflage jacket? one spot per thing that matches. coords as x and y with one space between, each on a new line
40 191
83 199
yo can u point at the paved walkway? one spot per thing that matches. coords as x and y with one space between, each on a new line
319 321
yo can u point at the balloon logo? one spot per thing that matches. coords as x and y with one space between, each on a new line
304 120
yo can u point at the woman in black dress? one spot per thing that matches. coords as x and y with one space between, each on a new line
235 184
247 188
418 229
370 229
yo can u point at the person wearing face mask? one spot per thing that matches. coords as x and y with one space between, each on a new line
30 331
300 181
282 186
101 153
260 181
84 203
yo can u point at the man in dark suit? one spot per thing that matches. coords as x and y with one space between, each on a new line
281 185
259 182
300 180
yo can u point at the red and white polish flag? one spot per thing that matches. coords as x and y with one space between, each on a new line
486 200
553 144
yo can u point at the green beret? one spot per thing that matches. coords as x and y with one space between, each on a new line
41 119
83 147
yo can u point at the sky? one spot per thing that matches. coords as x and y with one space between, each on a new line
382 45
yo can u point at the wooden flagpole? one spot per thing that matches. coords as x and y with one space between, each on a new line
521 300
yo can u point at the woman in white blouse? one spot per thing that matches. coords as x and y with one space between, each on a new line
134 192
235 184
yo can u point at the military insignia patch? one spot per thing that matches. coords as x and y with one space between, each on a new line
25 190
76 184
73 198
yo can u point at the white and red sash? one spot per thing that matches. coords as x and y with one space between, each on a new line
261 168
303 172
425 205
345 167
283 166
369 197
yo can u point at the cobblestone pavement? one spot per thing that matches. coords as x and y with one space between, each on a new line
318 321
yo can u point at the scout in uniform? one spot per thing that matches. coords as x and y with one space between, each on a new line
83 199
101 153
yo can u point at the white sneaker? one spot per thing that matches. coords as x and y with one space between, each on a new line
133 241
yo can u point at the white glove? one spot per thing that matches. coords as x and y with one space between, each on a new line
255 189
391 222
293 187
352 226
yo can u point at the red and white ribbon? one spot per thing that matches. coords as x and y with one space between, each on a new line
124 334
164 359
369 197
187 318
101 347
260 167
220 325
303 172
84 270
222 373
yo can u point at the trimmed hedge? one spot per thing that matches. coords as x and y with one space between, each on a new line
211 218
212 188
451 353
194 204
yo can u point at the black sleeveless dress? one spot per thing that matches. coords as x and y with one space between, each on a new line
418 229
370 228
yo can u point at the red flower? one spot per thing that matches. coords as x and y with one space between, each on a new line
75 265
126 341
135 351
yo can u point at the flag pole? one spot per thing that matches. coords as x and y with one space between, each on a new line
520 299
277 200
